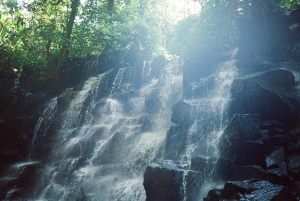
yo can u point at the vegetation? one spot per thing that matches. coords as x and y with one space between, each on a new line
43 35
39 38
286 4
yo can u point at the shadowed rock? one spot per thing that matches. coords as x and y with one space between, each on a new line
270 94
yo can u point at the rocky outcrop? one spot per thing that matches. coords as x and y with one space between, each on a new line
251 190
259 150
259 153
270 94
171 181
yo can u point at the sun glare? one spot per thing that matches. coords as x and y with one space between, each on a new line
180 9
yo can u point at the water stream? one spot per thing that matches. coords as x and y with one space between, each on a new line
103 143
95 143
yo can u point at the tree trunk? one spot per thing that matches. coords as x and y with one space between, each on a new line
69 27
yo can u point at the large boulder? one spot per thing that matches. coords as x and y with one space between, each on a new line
275 162
170 181
241 142
182 113
163 183
175 142
270 94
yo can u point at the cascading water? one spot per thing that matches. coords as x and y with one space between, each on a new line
191 147
210 119
107 135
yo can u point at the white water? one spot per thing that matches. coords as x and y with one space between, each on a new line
211 119
103 145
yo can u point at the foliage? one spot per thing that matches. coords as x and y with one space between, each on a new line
42 35
214 29
222 25
287 4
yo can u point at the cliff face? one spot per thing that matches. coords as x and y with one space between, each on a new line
258 149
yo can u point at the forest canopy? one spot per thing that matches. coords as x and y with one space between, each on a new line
39 36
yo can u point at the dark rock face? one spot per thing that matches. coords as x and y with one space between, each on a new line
240 142
182 114
252 190
164 182
65 98
260 160
168 180
18 183
175 142
269 94
259 155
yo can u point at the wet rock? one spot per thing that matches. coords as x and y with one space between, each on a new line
175 142
271 124
241 173
293 142
244 153
162 184
203 87
294 165
165 182
113 150
181 113
152 102
157 65
269 94
213 195
245 127
275 162
193 182
19 180
146 123
237 86
198 163
65 98
253 190
241 142
224 168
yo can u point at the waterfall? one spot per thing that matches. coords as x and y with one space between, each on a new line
210 120
107 134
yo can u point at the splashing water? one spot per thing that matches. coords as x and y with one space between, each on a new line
103 143
211 118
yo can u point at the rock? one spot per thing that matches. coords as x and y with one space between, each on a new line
294 165
258 190
245 127
203 87
65 98
157 65
169 181
175 142
275 162
181 113
267 125
293 142
113 150
213 195
20 180
193 182
269 94
243 153
199 163
241 173
237 86
152 102
224 168
241 142
162 184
